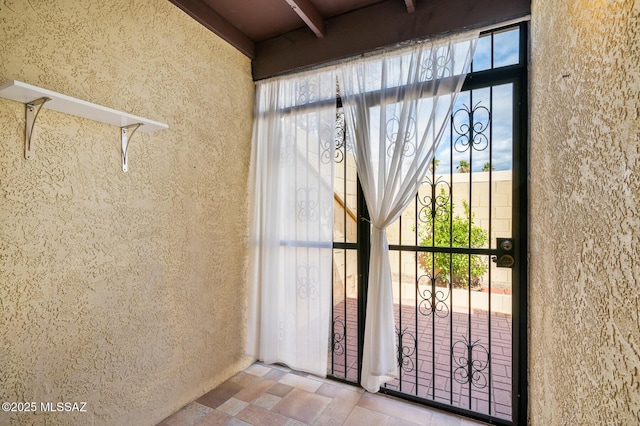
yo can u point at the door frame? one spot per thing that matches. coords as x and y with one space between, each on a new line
518 76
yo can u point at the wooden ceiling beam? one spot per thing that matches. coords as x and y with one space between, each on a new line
309 14
381 25
214 22
411 5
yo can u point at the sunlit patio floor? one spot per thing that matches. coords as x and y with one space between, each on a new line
430 369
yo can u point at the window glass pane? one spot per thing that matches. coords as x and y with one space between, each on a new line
502 127
506 48
482 55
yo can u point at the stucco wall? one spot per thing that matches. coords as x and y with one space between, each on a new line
585 213
124 290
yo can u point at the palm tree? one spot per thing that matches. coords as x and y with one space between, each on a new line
463 167
487 167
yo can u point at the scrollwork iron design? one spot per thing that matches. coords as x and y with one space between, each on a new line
470 367
335 147
470 125
327 142
341 137
338 336
432 201
406 140
437 64
433 301
306 91
405 353
307 280
286 156
307 201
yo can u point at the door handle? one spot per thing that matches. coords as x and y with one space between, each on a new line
504 258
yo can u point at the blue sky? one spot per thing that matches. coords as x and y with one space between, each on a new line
500 130
506 49
497 99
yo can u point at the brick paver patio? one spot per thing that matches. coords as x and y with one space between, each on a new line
444 380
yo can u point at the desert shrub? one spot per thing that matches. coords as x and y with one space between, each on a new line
444 230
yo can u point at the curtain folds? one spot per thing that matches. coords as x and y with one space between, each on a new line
291 229
396 107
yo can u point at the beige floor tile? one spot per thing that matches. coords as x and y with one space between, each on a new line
327 421
440 418
302 405
394 421
279 389
255 389
304 383
364 417
189 415
396 408
233 406
219 395
328 390
257 370
215 418
339 408
273 396
275 374
237 422
293 422
245 380
259 416
267 401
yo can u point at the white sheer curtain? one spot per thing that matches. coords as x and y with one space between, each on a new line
291 226
397 105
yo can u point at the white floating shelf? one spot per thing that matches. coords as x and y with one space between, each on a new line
28 95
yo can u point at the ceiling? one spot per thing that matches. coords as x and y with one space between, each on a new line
284 35
263 19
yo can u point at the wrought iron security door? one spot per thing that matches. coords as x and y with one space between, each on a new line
457 253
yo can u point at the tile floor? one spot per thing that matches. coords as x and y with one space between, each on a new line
265 395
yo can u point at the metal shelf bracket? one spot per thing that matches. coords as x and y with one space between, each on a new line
26 93
127 133
32 109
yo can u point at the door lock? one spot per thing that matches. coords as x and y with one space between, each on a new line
504 258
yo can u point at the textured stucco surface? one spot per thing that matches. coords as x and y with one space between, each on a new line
124 290
585 213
